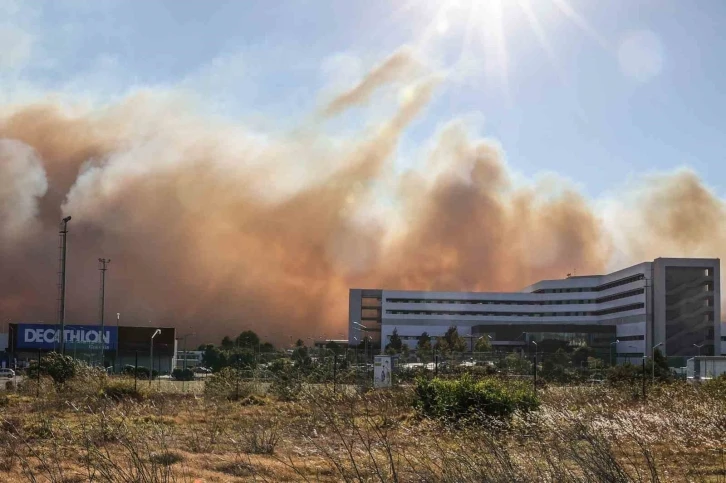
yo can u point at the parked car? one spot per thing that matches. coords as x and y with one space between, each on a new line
7 373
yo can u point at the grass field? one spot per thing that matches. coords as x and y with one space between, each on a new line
83 432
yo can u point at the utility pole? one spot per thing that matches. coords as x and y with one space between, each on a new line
63 233
115 361
102 266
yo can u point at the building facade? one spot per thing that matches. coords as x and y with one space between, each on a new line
673 304
121 345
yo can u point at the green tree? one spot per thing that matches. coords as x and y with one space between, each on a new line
483 344
423 347
299 343
212 357
580 356
267 347
517 364
395 344
227 343
334 347
557 367
60 368
247 339
451 341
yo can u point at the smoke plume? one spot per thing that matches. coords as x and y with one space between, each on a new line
216 228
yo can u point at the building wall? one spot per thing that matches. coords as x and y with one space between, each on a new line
633 300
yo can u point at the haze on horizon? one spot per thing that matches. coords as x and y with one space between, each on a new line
244 165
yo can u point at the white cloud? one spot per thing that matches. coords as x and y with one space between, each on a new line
16 47
641 55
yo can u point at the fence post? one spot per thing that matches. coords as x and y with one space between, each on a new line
37 389
335 372
643 378
535 373
136 371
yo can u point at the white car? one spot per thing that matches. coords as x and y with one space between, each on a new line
7 373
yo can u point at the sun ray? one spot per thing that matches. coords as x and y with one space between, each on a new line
580 21
494 44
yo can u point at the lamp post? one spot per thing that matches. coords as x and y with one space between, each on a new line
102 267
361 328
62 282
652 362
151 354
611 351
118 318
699 348
535 367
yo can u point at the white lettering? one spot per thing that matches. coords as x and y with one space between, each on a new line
49 335
92 336
29 335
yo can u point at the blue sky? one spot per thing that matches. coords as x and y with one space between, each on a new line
628 86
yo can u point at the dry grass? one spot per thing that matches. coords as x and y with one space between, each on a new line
580 434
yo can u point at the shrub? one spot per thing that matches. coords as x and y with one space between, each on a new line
227 384
121 390
287 385
259 437
458 398
183 374
60 368
166 458
141 372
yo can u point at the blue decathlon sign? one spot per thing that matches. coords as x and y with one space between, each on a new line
81 337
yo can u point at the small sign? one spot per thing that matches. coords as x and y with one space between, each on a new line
382 369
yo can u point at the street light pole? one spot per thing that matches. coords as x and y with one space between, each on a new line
151 354
103 266
611 351
699 348
118 316
535 367
62 283
652 362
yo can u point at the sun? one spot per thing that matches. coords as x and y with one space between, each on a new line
484 28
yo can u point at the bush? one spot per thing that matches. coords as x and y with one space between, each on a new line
227 384
121 390
141 372
60 368
183 374
166 458
287 386
464 397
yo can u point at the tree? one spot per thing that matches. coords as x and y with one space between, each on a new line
212 357
227 343
424 342
451 341
299 343
300 357
423 346
518 364
580 356
483 344
59 367
267 347
396 343
334 347
557 367
661 369
247 339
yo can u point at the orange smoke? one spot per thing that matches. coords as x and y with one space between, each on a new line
215 228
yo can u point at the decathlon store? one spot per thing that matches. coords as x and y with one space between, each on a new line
120 345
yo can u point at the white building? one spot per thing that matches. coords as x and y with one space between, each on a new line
671 303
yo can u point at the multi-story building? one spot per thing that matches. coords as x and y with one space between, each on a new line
673 304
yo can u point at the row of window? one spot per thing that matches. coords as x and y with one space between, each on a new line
627 338
624 308
599 288
601 300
